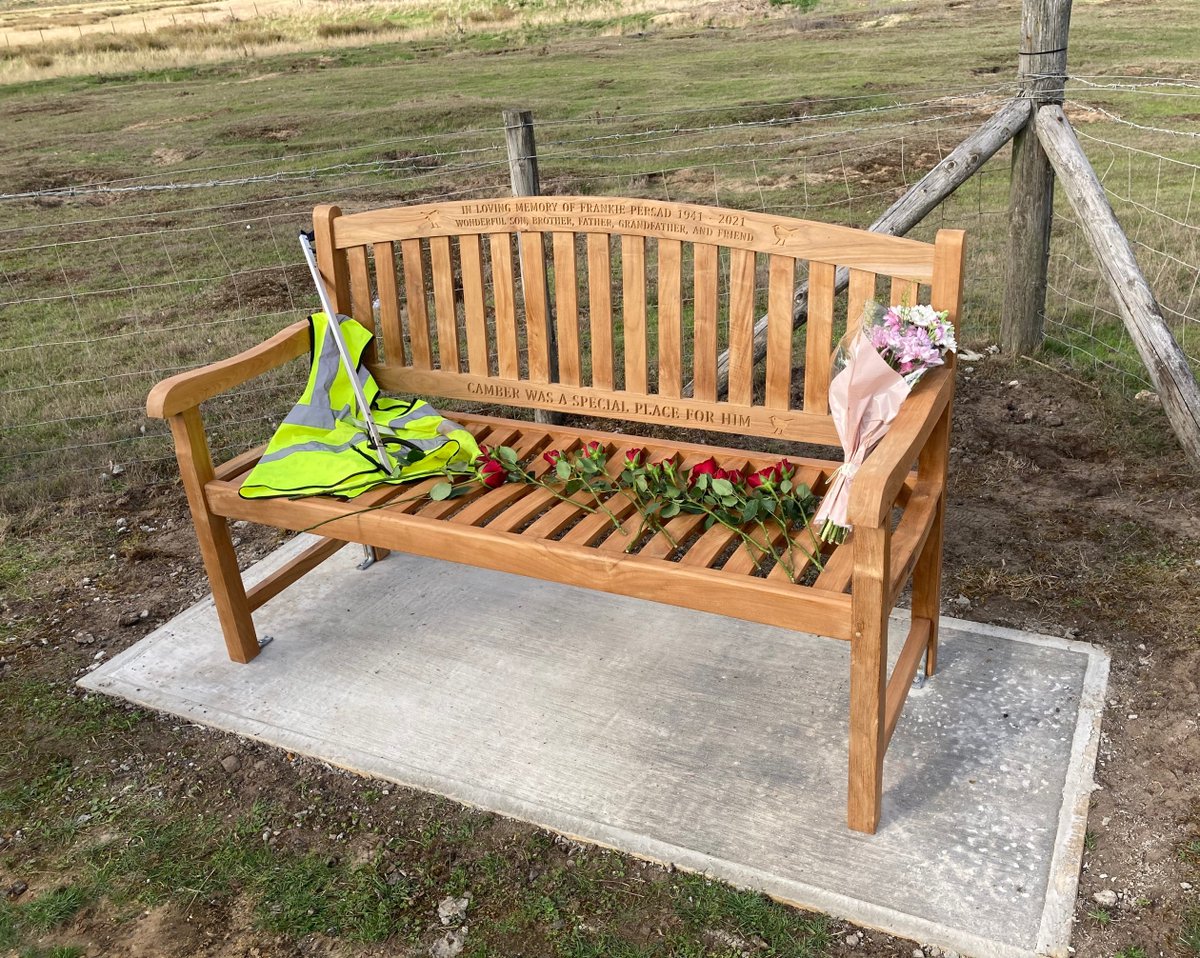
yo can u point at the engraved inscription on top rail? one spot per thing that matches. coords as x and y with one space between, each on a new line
616 216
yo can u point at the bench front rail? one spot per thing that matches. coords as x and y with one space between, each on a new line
472 305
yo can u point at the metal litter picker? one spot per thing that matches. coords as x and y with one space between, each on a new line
335 330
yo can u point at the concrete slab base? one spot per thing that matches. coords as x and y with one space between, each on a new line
683 737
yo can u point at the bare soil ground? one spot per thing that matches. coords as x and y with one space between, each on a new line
1065 517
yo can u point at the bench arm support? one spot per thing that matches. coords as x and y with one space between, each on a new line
187 390
877 483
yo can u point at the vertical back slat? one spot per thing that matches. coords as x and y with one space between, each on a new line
781 290
471 259
862 291
704 353
741 326
537 311
566 308
389 304
599 273
904 292
330 260
418 308
361 307
633 297
508 358
444 308
670 318
819 337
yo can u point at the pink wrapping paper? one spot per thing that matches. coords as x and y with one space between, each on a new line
864 398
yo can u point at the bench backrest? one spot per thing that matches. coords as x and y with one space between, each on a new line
470 306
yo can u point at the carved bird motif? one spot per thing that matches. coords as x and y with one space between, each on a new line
778 425
783 233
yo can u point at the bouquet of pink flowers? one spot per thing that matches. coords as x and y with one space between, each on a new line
911 339
878 366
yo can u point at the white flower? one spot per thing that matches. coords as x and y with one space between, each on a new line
924 316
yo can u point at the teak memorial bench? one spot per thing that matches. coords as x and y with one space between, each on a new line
471 308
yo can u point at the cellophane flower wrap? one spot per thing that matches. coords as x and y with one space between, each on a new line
876 367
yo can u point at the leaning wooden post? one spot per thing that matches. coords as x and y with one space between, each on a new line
1166 362
523 172
1042 73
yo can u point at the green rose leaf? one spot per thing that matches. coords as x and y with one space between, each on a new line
507 455
786 486
670 509
722 487
441 491
562 470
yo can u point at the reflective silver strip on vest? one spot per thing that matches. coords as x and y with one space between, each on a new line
318 411
425 445
311 447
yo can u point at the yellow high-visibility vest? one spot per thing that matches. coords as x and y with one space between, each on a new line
322 448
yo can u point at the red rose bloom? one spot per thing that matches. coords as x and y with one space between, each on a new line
734 476
593 450
492 473
784 470
635 457
552 456
765 476
706 468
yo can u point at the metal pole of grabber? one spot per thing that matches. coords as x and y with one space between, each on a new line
335 330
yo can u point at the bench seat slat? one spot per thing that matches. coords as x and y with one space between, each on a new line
536 515
744 597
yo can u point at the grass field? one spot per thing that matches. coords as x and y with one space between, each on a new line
153 177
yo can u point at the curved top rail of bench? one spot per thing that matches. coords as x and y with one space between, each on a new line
737 229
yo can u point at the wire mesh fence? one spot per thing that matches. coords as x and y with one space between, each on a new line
1135 134
107 287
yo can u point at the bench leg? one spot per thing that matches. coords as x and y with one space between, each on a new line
927 585
212 532
927 573
868 676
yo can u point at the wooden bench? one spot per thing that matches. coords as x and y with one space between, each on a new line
640 296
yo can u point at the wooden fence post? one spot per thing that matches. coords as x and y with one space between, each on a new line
1042 72
1166 362
523 172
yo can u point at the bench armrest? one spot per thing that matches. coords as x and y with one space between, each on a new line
187 390
878 482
